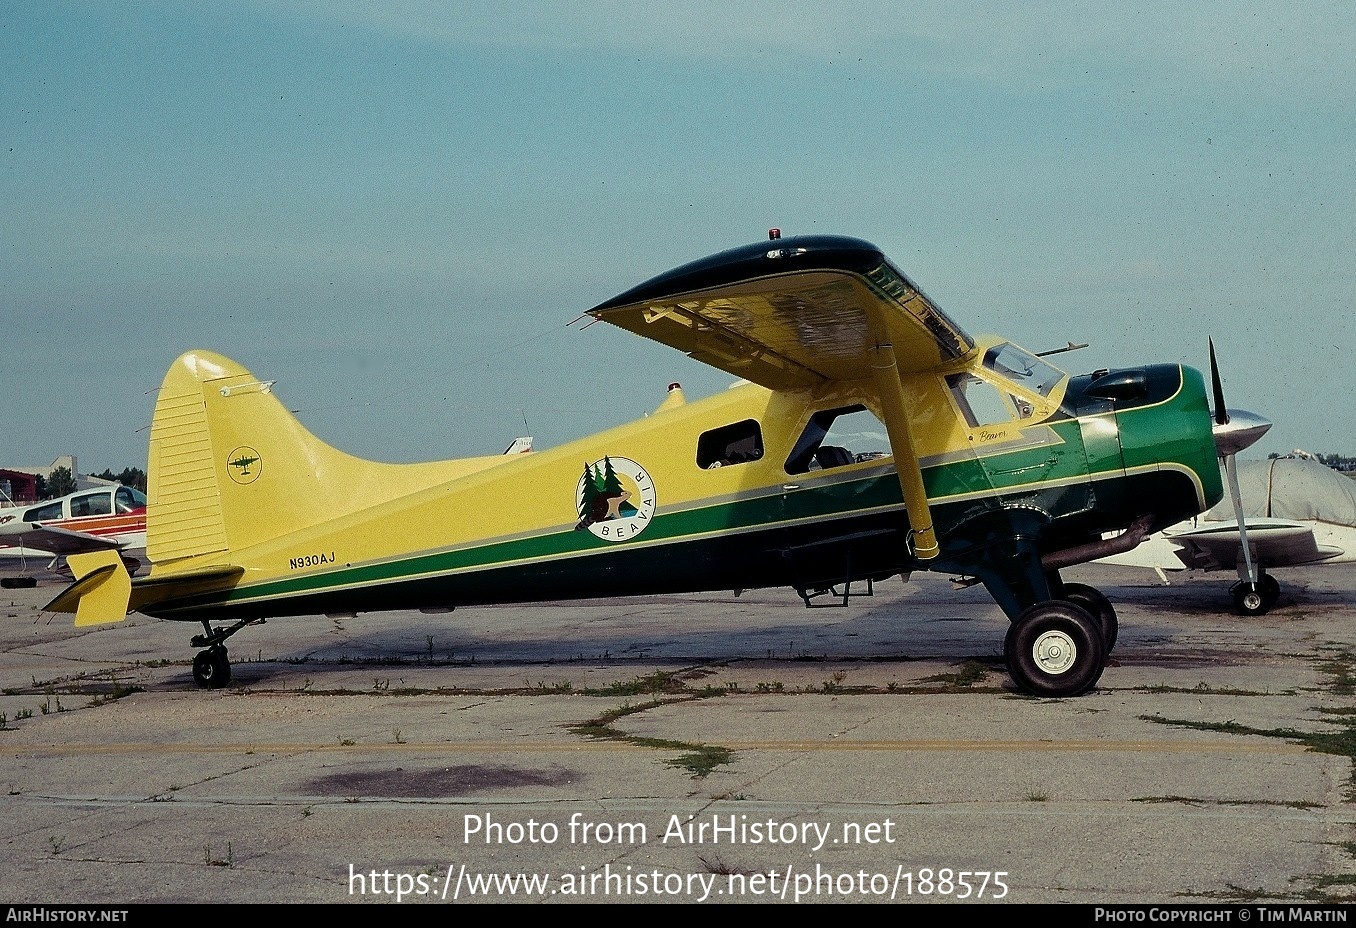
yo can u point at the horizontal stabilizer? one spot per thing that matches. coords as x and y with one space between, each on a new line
201 574
101 591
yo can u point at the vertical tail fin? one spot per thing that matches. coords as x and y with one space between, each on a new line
184 517
231 467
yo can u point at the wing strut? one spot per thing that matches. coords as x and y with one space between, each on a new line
886 372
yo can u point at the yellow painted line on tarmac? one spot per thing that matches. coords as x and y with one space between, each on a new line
530 747
939 744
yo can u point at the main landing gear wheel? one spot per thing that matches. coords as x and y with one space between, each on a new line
1099 607
1055 649
212 668
1255 598
1271 590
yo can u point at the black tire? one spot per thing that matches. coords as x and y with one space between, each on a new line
212 668
1271 590
1099 607
1055 649
18 583
1250 598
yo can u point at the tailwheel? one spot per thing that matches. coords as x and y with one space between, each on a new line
1055 648
212 668
1097 606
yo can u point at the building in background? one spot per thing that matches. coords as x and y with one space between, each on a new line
19 484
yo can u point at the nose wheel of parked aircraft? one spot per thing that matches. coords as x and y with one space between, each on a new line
1256 598
212 668
1055 648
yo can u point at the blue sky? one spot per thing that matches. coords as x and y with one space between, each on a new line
395 209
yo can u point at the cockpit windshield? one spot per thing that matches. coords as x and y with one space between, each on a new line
1023 368
128 499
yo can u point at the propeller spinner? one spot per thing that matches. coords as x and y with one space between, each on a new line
1235 429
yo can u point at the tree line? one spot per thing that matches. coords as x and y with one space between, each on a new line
61 481
1343 462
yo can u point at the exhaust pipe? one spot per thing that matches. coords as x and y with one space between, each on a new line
1081 554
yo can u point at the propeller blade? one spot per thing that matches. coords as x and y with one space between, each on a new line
1221 413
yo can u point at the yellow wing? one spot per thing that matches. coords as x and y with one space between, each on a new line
791 312
798 312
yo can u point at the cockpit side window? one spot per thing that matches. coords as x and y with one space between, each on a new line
982 403
835 437
1023 368
93 504
738 443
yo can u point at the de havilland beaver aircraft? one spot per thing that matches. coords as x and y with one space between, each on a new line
1001 469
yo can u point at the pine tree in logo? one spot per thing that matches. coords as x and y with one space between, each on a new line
603 496
588 485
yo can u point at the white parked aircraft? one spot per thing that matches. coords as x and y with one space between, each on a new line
1296 511
100 519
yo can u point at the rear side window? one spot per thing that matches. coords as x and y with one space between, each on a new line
730 444
47 513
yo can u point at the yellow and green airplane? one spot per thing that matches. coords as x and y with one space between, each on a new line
988 463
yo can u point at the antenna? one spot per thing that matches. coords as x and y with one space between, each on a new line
1069 347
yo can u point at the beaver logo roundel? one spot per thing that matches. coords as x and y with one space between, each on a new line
615 499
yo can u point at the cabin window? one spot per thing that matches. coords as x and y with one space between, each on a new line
93 504
730 444
47 513
835 437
